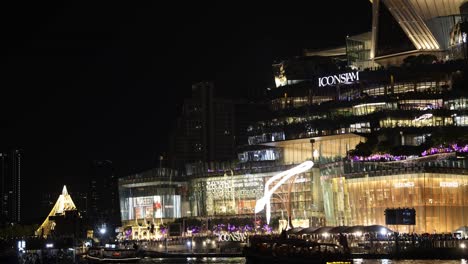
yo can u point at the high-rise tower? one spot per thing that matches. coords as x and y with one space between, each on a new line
103 200
10 186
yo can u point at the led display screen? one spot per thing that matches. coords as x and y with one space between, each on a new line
400 216
156 206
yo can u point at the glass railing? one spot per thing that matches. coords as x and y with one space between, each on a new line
243 168
372 169
160 173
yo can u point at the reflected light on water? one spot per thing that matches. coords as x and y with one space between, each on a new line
420 261
194 260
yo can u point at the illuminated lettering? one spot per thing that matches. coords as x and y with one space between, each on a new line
345 78
239 187
403 184
236 237
449 184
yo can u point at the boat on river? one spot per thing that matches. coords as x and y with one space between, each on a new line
111 255
277 250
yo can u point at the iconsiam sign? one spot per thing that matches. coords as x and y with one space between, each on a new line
343 78
281 178
234 237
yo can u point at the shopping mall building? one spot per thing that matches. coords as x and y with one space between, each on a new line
384 119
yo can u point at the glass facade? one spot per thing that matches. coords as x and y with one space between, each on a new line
369 108
425 120
420 104
227 195
260 155
358 51
360 194
400 108
365 108
155 206
237 195
334 192
267 137
457 104
461 120
151 195
289 102
439 199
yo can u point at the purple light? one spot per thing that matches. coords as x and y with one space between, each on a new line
194 229
381 157
231 228
266 228
449 149
431 151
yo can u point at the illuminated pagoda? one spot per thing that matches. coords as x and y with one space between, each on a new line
63 211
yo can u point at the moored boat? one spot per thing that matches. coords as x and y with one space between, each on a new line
112 255
267 250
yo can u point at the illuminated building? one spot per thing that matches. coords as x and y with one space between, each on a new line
358 51
10 175
329 106
233 189
417 27
277 181
436 189
404 108
151 198
63 218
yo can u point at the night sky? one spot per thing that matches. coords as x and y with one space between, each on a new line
81 82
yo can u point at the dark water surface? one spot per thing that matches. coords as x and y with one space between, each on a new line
243 261
390 261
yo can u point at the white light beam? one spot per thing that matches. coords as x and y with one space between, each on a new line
285 175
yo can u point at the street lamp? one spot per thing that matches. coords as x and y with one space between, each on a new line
315 154
103 229
102 232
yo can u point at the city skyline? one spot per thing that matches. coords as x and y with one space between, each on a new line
106 82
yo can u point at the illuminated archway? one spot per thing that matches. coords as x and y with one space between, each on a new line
284 176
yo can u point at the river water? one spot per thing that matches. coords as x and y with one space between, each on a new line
243 261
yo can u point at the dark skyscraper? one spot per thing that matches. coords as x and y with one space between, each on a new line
210 127
10 163
103 203
205 130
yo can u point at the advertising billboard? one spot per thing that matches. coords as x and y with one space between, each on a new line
155 206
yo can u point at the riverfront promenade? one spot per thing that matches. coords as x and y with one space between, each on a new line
405 247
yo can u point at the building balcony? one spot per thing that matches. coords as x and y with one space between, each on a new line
352 170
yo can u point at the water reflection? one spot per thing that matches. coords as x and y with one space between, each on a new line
390 261
193 260
243 261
